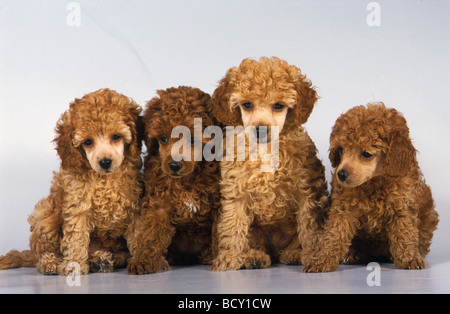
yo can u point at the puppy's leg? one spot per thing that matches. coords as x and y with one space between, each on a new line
310 216
208 255
153 237
256 257
232 230
404 241
340 229
45 236
75 242
429 220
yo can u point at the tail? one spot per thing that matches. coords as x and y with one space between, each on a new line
16 259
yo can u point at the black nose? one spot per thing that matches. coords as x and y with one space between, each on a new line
105 163
262 133
175 166
343 175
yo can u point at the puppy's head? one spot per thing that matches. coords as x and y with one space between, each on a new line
173 112
370 141
98 132
263 93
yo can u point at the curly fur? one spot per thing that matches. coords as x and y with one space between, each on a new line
89 214
179 207
388 212
269 215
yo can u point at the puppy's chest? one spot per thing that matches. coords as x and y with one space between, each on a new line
110 209
188 207
374 216
269 195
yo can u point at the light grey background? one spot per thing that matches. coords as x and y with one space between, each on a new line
137 47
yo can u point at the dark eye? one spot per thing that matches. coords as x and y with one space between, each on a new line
278 107
340 150
247 106
116 137
163 139
88 142
366 154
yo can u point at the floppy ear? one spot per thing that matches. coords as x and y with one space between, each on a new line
306 98
220 102
153 105
136 126
334 156
71 157
401 154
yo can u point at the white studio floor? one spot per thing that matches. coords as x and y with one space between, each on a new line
278 279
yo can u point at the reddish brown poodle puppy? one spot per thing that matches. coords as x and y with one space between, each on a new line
95 197
181 194
275 214
381 208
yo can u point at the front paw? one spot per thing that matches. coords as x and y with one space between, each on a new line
291 257
101 265
48 264
413 263
136 267
320 265
222 263
256 259
101 262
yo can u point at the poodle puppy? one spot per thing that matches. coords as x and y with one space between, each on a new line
95 196
381 208
181 197
275 214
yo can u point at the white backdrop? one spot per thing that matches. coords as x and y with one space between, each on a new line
53 51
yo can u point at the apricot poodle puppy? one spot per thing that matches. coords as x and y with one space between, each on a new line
181 188
274 212
381 208
95 196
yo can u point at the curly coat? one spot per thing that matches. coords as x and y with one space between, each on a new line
89 215
269 215
386 214
181 198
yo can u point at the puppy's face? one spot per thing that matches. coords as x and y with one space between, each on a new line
358 165
105 151
263 113
177 154
264 93
174 124
262 106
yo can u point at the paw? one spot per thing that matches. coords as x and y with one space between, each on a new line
101 262
413 264
318 265
353 258
255 259
291 257
222 263
319 268
48 264
136 267
101 266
